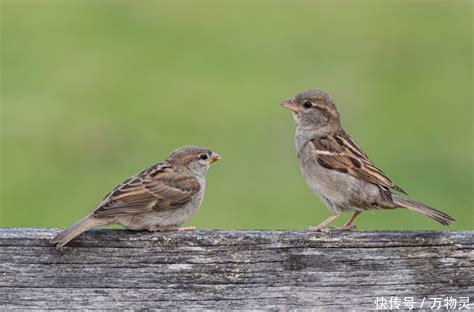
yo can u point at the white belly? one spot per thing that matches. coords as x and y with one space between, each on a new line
337 190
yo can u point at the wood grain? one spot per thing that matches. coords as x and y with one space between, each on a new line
259 270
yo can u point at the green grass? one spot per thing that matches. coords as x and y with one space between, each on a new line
94 91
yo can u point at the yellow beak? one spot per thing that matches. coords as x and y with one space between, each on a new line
215 157
290 104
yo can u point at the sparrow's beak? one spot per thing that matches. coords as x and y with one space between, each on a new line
215 157
290 104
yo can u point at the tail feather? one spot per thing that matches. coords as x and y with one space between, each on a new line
74 230
434 214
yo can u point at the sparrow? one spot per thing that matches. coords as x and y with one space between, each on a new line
159 198
337 170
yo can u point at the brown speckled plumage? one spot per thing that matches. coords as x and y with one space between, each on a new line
335 167
161 197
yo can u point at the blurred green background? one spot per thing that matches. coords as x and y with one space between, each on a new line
94 91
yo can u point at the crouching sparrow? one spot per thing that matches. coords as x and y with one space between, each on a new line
335 167
160 198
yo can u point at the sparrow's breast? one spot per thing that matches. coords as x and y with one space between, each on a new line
338 191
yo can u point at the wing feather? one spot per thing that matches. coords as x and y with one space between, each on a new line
341 153
158 187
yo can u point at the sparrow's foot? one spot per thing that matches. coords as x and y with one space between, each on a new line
317 229
170 228
323 227
327 229
350 227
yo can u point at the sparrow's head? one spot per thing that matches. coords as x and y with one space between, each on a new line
313 108
196 158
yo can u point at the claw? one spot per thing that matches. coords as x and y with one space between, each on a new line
318 229
351 227
328 229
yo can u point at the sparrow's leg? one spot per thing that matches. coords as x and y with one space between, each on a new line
170 228
349 226
323 225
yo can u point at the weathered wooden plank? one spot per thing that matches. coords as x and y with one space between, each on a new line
111 269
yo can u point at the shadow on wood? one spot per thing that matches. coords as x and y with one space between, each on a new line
119 269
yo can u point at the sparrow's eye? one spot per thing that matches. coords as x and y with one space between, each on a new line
203 156
307 104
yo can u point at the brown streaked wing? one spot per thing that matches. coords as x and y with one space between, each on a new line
135 180
351 160
131 196
349 144
327 143
126 200
354 148
172 190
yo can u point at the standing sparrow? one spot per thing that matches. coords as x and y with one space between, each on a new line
159 198
335 167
